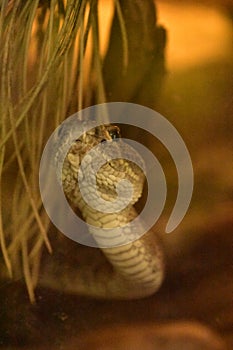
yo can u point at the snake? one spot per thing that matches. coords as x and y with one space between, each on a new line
132 269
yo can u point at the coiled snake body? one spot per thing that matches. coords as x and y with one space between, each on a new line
137 267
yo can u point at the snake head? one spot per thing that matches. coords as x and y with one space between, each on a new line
98 155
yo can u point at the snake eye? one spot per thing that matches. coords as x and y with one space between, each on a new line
114 132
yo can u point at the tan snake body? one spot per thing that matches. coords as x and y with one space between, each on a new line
136 269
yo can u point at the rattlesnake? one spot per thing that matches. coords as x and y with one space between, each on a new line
137 266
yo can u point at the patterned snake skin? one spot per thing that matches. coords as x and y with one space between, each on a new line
136 269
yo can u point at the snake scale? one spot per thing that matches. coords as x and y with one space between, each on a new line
136 269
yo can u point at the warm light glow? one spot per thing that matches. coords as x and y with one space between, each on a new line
106 11
196 33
